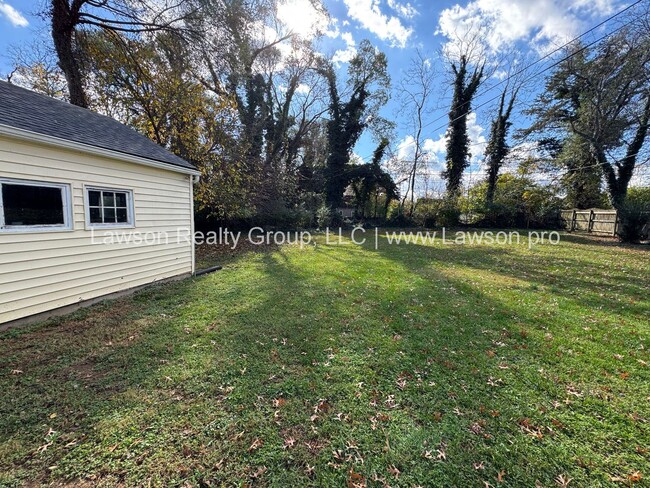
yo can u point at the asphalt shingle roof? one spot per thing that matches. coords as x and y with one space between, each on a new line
24 109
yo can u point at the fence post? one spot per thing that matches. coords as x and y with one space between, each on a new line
573 221
590 225
615 224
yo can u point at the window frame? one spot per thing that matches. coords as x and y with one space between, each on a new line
66 200
130 212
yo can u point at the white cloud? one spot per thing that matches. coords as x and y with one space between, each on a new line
434 154
437 147
404 10
345 55
302 18
13 15
476 137
370 16
303 89
543 22
333 29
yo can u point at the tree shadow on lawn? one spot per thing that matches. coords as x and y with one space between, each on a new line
207 379
599 311
588 280
469 325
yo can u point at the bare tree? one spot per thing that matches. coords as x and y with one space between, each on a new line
34 67
417 87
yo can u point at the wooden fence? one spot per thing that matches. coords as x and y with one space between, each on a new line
596 221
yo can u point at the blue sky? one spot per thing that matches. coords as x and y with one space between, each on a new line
18 25
533 27
398 27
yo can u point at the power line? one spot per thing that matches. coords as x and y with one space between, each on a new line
583 48
548 55
542 173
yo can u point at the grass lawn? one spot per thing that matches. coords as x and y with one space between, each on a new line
342 365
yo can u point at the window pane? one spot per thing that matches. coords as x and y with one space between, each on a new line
32 205
120 200
109 199
95 215
121 215
109 215
93 198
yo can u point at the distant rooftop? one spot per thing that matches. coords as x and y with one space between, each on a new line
27 110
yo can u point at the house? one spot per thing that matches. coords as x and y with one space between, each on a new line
88 207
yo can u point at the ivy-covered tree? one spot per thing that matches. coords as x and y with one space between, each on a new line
368 180
497 147
465 83
367 85
272 76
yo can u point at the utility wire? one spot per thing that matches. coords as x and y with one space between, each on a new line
583 48
546 56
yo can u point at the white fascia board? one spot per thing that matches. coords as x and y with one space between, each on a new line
29 136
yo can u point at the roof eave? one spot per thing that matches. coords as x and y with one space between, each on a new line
30 136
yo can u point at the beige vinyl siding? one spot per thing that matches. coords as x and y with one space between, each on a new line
41 271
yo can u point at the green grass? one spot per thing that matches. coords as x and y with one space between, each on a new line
433 365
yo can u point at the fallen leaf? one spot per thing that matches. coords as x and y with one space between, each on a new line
356 480
279 402
562 481
635 477
257 443
394 471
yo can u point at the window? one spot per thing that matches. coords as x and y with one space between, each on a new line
109 208
34 206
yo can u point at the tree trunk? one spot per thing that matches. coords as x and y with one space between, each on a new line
619 173
63 28
492 184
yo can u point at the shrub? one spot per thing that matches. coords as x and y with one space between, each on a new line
398 219
448 214
324 217
518 202
426 212
639 196
280 217
634 217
